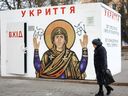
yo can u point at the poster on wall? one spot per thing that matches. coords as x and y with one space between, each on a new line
59 40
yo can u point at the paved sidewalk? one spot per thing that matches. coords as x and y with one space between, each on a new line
21 87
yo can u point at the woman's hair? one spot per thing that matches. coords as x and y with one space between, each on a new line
59 31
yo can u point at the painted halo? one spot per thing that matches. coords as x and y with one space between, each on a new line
59 23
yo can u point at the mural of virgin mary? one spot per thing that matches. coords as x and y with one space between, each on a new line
59 61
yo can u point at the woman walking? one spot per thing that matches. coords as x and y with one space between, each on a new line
100 64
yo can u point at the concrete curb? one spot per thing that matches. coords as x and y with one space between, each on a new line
65 80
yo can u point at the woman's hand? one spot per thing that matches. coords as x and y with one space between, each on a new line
84 43
35 43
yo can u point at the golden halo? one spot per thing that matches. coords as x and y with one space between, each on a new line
59 23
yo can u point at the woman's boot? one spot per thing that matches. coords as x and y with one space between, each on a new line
100 93
109 89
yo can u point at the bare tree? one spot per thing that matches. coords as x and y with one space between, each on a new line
15 4
21 4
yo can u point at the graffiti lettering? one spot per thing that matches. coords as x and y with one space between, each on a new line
38 32
80 28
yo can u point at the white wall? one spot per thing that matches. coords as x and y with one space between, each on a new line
89 15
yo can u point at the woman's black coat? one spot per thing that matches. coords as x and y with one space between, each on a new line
100 63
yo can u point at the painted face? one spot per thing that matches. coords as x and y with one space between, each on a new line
59 41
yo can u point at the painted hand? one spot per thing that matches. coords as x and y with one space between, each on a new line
84 43
36 43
